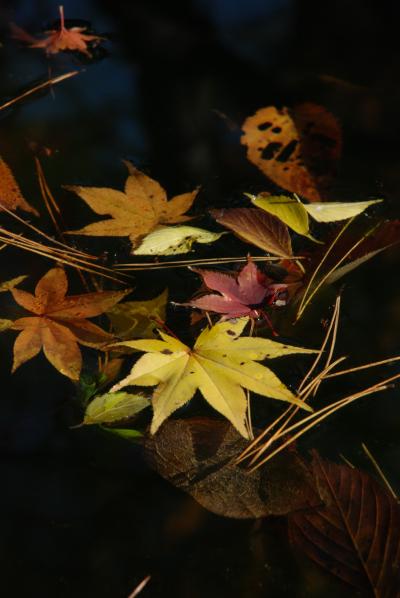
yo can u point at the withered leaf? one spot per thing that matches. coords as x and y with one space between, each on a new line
258 228
135 212
10 194
197 455
298 149
59 323
355 535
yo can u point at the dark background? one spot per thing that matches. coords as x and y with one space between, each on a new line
81 515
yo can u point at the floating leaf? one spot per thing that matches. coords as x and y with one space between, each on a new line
58 40
141 208
289 210
10 194
297 149
220 365
173 240
355 535
247 294
333 211
198 456
113 407
135 319
257 227
59 323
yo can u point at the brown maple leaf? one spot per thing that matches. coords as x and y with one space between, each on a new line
58 40
59 323
137 211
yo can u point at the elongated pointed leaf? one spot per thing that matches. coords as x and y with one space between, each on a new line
258 228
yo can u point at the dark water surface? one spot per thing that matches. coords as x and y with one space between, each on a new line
81 514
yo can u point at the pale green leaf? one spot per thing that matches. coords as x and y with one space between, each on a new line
333 211
174 240
114 406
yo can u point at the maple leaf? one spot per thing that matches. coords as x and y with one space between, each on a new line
137 211
58 40
59 323
220 366
10 194
239 296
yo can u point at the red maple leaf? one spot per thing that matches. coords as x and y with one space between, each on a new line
57 40
243 295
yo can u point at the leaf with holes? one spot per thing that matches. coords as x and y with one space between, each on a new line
220 365
258 228
139 209
59 323
355 535
298 149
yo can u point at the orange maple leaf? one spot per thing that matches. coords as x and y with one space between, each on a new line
58 40
59 323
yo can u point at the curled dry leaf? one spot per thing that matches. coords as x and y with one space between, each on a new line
258 228
247 294
298 150
59 323
59 40
198 456
355 535
10 194
220 366
136 211
174 240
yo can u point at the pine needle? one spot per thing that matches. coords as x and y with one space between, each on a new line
48 83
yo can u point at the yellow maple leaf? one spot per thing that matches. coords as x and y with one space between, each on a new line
220 366
136 211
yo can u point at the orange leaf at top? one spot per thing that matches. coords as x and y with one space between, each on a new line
10 193
298 150
58 40
59 323
135 212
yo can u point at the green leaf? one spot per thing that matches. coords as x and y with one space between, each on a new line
135 319
288 209
173 240
114 406
125 433
333 211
